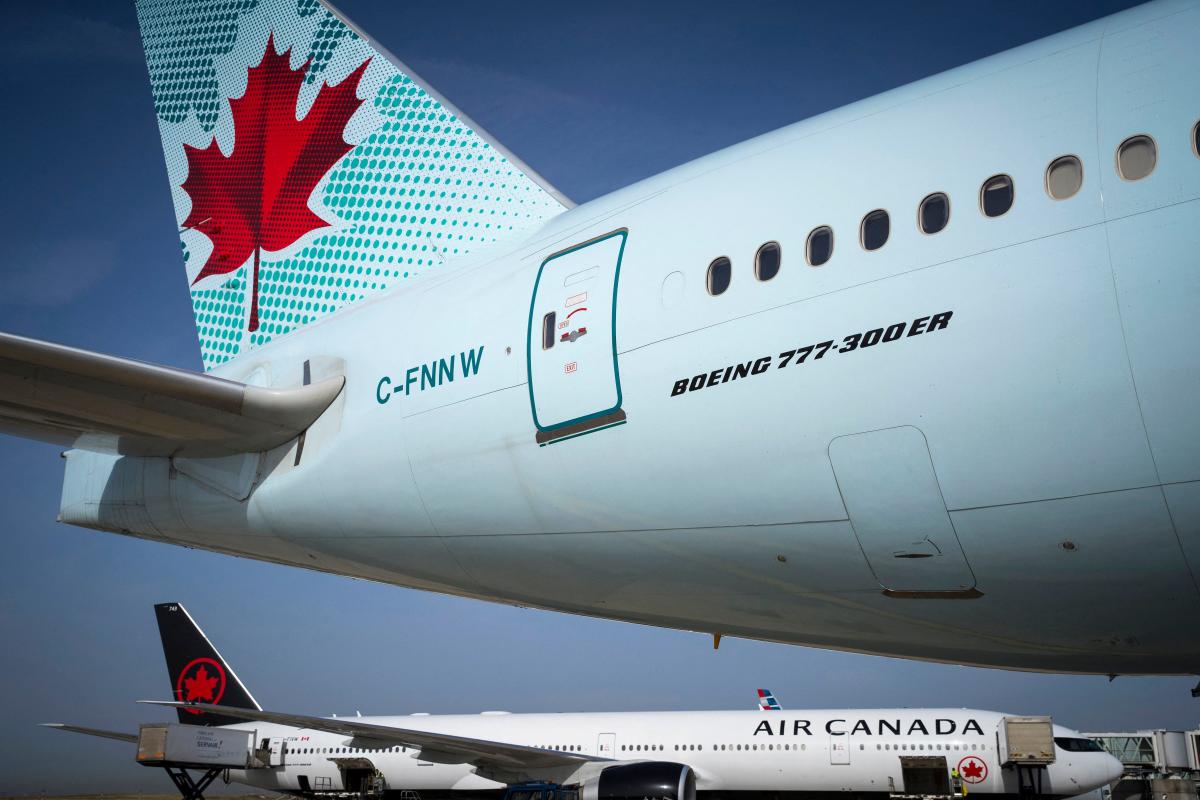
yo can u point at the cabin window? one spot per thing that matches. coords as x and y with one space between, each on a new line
720 272
548 330
820 246
996 195
1064 177
767 260
934 213
873 233
1136 157
1196 139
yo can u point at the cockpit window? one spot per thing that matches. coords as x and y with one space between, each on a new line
1072 745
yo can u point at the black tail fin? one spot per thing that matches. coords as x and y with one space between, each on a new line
197 670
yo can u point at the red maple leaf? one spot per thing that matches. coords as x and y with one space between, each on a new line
200 687
972 769
257 198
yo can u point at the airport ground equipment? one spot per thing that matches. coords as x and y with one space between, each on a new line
539 791
1027 740
1026 744
1159 764
180 748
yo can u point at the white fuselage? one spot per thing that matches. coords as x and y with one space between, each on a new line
1011 477
856 751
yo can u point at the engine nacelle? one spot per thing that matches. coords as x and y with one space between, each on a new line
641 780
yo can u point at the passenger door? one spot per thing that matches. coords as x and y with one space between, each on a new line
606 745
278 751
571 347
839 748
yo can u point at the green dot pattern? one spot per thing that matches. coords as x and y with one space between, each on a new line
330 31
419 190
185 74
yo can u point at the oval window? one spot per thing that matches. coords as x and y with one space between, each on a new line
1136 157
767 260
1064 177
1196 139
719 273
875 229
819 247
934 213
996 195
548 330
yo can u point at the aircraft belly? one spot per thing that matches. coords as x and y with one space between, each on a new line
1101 573
672 572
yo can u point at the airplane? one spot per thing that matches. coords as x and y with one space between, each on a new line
914 377
668 754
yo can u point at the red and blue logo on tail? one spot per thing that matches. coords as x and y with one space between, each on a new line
767 701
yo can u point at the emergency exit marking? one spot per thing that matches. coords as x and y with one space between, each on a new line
570 367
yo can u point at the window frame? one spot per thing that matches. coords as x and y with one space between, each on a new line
1117 156
550 317
757 255
921 209
808 246
708 283
983 189
862 230
1082 176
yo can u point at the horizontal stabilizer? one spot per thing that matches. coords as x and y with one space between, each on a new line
440 747
76 398
122 737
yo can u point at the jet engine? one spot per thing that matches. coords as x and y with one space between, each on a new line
642 780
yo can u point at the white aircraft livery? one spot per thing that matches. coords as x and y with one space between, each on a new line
914 377
617 756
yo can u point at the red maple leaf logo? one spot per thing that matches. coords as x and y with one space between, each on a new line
199 687
972 769
202 679
257 198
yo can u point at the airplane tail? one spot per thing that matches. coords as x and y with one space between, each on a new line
767 701
198 672
310 169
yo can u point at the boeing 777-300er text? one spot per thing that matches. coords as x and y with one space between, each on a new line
670 755
914 377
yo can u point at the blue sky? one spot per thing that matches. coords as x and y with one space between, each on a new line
592 96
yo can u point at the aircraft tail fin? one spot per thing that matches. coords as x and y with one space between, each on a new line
767 701
198 672
310 169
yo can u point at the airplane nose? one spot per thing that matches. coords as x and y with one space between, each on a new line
1113 768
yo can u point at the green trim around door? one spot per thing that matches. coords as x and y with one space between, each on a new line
545 432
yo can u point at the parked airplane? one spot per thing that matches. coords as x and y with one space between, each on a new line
615 755
913 377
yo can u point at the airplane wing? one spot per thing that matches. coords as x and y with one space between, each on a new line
93 401
438 747
121 737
